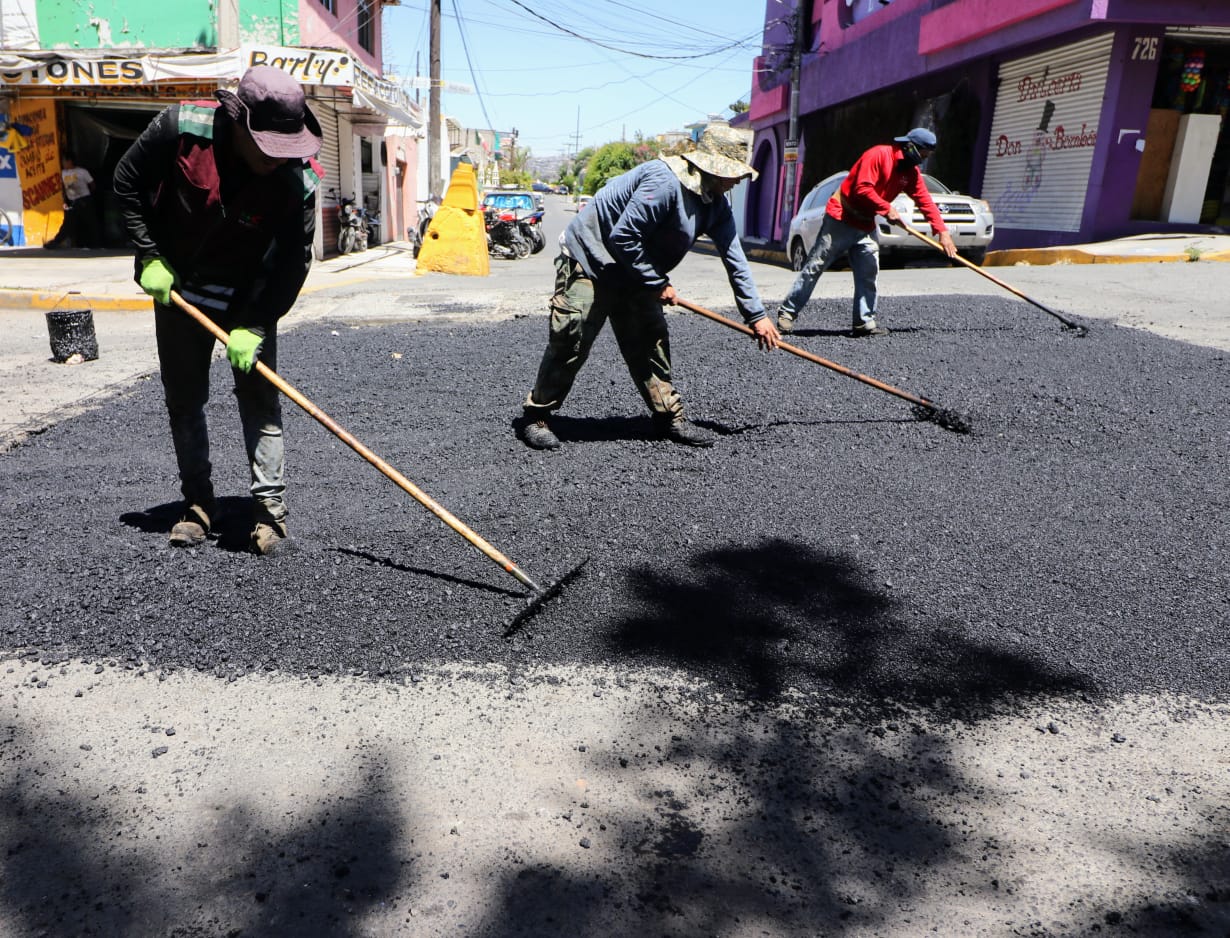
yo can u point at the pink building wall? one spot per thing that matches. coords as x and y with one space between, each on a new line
320 28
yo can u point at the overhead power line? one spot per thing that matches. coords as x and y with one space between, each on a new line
633 52
470 62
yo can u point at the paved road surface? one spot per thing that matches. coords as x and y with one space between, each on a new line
552 797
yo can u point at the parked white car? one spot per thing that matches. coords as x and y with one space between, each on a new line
969 220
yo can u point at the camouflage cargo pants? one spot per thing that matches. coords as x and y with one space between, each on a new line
579 309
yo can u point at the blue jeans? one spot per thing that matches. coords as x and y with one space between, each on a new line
835 239
184 351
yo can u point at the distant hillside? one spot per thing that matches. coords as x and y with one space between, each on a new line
546 168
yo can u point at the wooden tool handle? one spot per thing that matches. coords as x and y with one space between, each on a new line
333 427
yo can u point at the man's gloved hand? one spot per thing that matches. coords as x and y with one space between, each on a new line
157 279
242 347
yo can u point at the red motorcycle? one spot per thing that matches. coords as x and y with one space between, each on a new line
504 234
531 229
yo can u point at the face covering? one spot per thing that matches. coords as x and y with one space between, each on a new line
910 155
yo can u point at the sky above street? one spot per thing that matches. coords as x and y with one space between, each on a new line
569 75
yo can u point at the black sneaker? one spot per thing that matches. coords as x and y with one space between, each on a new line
682 432
535 433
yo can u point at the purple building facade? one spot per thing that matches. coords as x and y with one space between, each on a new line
1078 120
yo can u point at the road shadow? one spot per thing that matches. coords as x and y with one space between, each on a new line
761 616
315 876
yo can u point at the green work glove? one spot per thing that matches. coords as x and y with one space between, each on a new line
157 278
242 347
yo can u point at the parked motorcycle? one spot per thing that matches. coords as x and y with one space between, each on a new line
427 212
531 230
504 236
352 225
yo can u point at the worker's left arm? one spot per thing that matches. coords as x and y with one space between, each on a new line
726 239
922 198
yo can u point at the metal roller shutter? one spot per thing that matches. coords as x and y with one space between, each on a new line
330 159
1043 136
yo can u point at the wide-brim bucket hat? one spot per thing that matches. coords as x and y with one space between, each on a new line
723 151
275 111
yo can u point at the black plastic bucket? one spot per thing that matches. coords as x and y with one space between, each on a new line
72 333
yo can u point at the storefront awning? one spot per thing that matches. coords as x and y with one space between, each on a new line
116 69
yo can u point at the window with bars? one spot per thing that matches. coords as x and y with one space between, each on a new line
330 5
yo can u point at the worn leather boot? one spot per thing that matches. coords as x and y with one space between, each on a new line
785 323
535 433
680 430
192 528
867 329
270 537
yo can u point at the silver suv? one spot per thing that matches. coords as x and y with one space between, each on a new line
969 220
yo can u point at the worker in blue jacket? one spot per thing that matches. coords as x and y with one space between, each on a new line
614 263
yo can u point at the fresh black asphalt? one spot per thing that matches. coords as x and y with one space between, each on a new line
1075 542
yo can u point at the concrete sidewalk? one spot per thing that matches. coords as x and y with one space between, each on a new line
1167 248
103 280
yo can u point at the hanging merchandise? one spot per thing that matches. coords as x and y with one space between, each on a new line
1193 65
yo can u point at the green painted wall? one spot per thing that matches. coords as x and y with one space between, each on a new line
161 24
273 22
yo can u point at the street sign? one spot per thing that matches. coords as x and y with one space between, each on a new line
790 155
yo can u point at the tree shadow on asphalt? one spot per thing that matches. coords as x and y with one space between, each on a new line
807 815
758 617
66 871
1201 907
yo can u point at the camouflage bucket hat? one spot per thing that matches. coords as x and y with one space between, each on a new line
723 151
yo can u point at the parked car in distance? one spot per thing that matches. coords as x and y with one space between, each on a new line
969 220
582 201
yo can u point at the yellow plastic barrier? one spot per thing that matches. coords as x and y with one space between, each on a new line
456 240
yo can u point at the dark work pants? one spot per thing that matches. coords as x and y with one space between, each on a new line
184 352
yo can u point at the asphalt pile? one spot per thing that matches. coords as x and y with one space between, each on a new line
830 543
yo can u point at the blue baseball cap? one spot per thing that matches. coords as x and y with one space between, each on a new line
920 137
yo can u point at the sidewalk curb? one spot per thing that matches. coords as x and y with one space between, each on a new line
1040 257
41 299
17 298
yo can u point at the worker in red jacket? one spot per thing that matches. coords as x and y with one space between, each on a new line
877 177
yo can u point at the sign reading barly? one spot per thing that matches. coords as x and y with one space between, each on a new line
308 66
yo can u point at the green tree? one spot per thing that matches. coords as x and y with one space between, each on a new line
613 159
739 106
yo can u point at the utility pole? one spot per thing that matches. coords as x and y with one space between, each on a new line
435 180
802 20
576 138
